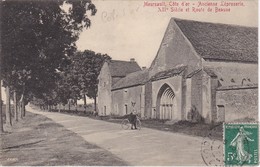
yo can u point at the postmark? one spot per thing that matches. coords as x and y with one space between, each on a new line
241 144
212 147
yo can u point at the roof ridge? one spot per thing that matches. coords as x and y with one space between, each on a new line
207 22
137 72
132 79
232 87
122 61
167 73
119 68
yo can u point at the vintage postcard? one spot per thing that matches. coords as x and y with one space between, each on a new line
129 83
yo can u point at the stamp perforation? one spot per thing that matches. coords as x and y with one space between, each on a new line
239 152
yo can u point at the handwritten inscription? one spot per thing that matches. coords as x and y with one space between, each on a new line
108 16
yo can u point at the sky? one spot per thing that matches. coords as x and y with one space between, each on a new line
126 29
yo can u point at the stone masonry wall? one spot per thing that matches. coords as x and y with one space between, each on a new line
123 100
232 73
175 50
148 100
196 95
104 91
176 85
206 98
239 105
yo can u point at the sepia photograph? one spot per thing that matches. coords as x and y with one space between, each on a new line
129 83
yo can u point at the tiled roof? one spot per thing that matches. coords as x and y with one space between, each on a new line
133 79
141 77
193 73
209 71
220 41
168 73
122 68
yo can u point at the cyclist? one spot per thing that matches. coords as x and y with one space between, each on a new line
132 117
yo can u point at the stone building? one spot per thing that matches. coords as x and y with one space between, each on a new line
110 73
202 72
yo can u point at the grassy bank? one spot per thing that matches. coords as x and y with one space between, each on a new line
38 141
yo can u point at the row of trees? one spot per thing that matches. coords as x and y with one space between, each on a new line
78 80
37 49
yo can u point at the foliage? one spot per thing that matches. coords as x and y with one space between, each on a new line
39 51
86 68
37 39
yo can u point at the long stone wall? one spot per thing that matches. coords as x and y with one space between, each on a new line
126 100
239 105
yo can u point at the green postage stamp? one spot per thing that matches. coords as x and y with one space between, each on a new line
241 144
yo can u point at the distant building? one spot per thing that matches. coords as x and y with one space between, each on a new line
202 72
111 72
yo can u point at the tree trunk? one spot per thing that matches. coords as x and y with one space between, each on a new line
76 106
1 104
23 108
1 111
8 109
15 107
85 103
59 106
69 105
95 104
19 110
21 114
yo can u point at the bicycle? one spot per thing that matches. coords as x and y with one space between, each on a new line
125 124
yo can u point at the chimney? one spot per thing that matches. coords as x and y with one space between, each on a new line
132 60
144 68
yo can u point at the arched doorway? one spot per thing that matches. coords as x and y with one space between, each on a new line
165 103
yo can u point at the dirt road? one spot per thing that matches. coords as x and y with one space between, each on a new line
144 147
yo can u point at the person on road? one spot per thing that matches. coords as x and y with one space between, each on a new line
132 119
